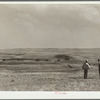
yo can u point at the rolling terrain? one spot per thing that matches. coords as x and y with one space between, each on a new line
48 70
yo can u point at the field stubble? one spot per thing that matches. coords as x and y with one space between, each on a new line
53 74
61 79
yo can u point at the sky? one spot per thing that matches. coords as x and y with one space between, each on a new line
49 26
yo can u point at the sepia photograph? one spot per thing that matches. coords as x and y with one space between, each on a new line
50 47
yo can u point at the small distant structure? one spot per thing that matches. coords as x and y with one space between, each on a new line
46 60
58 59
3 59
37 60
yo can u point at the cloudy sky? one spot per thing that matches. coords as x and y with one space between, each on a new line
49 26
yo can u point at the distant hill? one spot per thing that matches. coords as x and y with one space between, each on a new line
52 53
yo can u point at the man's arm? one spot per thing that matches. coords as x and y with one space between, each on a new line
83 66
88 65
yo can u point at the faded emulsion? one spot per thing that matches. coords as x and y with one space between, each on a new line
50 47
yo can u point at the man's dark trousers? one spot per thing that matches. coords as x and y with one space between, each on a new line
85 73
99 71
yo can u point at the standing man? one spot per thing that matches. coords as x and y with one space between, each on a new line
99 67
86 67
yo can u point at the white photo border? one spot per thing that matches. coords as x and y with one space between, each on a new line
50 94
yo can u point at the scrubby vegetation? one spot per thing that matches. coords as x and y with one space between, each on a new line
48 70
64 57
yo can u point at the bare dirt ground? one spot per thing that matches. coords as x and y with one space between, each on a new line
51 74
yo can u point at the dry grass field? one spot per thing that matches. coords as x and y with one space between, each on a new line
48 70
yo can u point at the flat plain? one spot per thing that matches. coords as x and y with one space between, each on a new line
48 69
